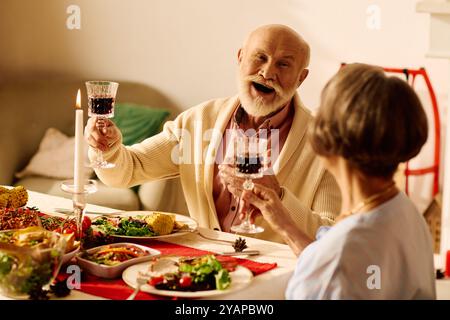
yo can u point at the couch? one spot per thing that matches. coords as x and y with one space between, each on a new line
28 109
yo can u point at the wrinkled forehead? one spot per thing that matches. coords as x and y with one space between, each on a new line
279 44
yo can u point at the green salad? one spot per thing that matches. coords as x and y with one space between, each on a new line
194 274
29 259
126 226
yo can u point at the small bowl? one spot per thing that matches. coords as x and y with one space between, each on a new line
69 255
27 256
115 271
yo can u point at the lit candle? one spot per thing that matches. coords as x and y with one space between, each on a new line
78 172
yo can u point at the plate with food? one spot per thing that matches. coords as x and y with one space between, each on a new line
133 225
189 277
32 220
19 218
15 216
108 261
67 227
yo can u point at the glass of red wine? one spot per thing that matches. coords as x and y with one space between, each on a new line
250 159
101 100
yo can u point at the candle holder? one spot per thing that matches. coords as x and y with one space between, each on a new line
79 202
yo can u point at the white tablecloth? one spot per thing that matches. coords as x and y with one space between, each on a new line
269 285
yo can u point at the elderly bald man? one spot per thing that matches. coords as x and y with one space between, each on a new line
272 65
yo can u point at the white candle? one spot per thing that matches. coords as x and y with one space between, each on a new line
78 174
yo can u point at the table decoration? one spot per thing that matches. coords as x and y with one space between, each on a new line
79 187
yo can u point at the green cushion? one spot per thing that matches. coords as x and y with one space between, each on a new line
138 122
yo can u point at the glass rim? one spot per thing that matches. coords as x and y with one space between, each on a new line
101 82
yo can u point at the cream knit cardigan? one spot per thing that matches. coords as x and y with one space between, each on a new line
310 193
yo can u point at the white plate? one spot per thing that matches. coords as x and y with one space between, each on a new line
191 223
240 278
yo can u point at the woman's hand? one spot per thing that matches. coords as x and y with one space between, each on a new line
268 202
101 133
277 215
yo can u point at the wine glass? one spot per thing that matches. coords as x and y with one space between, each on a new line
101 100
250 160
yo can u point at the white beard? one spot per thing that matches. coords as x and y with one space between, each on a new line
258 107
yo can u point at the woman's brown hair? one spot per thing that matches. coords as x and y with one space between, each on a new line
372 120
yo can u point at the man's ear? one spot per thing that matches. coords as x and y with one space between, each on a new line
239 55
303 76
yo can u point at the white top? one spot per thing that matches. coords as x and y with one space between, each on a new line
382 254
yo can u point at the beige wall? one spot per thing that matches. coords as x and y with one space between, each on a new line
187 48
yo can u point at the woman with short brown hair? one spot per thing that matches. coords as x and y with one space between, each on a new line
375 122
380 247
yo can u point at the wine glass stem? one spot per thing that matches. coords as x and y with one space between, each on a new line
100 126
246 223
79 204
99 156
248 184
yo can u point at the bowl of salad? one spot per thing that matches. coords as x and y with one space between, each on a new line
30 258
108 261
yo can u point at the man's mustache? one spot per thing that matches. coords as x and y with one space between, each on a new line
261 80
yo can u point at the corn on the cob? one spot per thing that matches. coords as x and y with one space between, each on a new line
18 197
160 223
180 226
4 200
4 190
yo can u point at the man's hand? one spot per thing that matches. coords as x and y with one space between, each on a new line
101 133
228 176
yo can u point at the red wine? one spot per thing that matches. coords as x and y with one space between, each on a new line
249 165
103 106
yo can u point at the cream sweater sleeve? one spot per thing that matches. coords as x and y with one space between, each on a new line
325 205
145 161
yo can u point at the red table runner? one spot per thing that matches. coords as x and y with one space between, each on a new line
117 289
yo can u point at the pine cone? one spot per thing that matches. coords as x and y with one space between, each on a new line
37 293
60 289
240 245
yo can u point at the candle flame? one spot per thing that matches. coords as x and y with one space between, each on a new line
78 103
